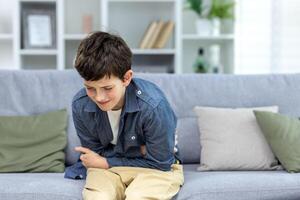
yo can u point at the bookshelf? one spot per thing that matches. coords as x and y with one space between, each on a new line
127 18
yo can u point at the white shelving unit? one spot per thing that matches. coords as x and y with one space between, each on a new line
127 18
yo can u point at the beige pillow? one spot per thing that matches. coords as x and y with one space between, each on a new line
232 140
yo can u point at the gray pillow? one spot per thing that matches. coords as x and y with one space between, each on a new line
232 140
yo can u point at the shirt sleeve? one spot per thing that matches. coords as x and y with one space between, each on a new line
87 139
159 127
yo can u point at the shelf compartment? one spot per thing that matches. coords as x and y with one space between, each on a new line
70 53
39 62
75 10
38 10
190 47
160 63
131 29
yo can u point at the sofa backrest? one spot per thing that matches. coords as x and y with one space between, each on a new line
33 92
232 91
27 92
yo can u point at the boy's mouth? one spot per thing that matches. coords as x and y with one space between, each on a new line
103 102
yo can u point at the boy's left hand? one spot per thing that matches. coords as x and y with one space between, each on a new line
90 159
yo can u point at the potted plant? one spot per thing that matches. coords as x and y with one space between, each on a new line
200 7
220 10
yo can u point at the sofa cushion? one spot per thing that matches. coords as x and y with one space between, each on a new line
239 185
33 143
46 186
232 140
283 135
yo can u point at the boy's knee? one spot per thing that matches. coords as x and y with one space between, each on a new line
134 195
90 194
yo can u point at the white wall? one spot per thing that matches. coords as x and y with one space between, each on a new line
268 36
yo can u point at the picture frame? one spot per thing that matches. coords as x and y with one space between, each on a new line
38 26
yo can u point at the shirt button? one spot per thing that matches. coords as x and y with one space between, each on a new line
132 137
139 92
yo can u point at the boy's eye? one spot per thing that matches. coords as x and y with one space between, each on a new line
107 88
89 88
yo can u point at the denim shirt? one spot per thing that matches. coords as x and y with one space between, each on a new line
146 119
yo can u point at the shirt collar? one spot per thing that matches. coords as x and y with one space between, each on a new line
131 102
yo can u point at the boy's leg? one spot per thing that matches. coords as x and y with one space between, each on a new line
103 184
155 184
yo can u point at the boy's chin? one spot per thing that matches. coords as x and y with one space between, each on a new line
108 108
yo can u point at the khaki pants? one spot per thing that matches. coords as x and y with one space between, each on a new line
132 183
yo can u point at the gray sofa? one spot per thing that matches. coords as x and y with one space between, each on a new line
33 92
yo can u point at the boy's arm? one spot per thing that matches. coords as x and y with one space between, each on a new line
87 139
159 128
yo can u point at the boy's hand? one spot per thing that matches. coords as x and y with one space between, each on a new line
143 150
90 159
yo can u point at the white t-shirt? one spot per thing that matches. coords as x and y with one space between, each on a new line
114 120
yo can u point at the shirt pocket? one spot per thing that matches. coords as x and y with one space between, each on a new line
132 145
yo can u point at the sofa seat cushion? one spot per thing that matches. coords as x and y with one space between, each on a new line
217 185
239 185
29 186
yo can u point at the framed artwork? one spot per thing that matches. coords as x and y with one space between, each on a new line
38 27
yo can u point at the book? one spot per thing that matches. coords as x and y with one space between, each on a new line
164 35
149 31
155 34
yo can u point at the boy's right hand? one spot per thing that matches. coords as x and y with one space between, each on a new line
90 159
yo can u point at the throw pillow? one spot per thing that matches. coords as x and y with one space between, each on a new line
283 134
232 140
33 143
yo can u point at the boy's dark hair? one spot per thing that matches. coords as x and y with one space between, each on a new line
101 54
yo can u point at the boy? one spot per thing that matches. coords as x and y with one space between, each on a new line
126 127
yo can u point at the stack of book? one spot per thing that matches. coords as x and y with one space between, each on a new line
157 35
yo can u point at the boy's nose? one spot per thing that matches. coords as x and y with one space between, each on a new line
101 97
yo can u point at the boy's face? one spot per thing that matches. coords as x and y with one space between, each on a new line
108 93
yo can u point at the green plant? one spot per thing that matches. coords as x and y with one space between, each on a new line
221 9
198 6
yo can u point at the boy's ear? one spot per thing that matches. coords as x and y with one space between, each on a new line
127 77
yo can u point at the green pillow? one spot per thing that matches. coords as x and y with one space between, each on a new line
33 143
283 135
